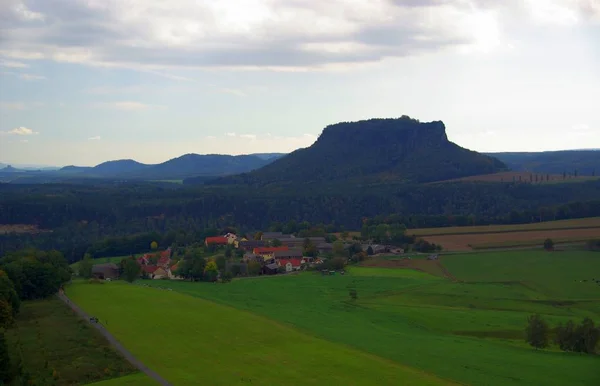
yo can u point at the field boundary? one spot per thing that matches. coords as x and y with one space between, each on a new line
133 360
460 233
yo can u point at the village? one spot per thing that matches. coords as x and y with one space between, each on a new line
272 253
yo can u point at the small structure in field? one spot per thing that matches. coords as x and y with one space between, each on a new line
105 271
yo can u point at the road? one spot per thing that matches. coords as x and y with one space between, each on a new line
133 360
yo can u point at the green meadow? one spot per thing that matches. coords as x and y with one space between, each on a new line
139 379
408 327
191 341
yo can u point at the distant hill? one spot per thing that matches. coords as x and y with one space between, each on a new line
269 156
585 162
401 149
118 167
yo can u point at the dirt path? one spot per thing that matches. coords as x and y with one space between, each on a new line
114 341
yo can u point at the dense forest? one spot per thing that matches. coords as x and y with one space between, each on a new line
121 219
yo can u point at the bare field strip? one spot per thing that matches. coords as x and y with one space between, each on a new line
467 242
523 177
21 228
581 223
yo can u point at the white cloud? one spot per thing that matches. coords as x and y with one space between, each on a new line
129 106
20 131
153 35
248 136
12 106
95 138
13 64
230 134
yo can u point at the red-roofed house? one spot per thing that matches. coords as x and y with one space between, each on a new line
149 270
143 260
173 272
268 252
217 240
290 264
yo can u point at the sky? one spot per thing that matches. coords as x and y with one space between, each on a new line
85 81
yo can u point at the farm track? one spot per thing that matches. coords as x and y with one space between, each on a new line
129 356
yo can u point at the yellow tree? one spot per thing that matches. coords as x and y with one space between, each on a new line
211 271
154 245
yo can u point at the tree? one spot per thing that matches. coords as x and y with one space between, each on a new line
85 266
154 245
345 235
9 294
5 373
228 252
338 249
276 243
548 244
587 336
131 270
309 248
537 332
258 235
226 277
211 271
370 251
254 268
236 270
221 263
565 336
6 314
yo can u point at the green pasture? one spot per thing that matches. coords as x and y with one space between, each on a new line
101 260
468 332
191 341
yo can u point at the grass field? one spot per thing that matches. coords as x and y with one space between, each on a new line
51 337
470 332
101 260
466 242
191 341
591 222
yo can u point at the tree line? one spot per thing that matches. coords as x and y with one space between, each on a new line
583 337
25 275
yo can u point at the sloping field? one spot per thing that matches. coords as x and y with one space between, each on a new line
525 177
191 341
468 332
139 379
590 222
466 242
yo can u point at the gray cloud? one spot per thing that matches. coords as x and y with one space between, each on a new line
156 34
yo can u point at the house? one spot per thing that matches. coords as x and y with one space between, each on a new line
325 247
160 273
249 245
288 254
432 257
172 272
290 264
298 242
376 248
149 270
231 238
248 257
270 269
143 260
217 240
105 271
267 252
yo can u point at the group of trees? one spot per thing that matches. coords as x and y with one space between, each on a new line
582 338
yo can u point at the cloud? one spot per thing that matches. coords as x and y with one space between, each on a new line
20 131
13 64
230 134
155 36
96 138
248 136
128 106
24 141
12 106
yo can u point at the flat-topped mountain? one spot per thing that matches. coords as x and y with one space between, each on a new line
401 149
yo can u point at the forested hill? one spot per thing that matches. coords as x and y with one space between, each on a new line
401 149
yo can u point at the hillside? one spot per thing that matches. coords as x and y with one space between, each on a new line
401 149
585 162
119 167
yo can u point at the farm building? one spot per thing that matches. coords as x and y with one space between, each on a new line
105 271
288 254
267 252
249 245
290 264
217 240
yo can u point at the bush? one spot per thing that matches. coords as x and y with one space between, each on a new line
537 332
